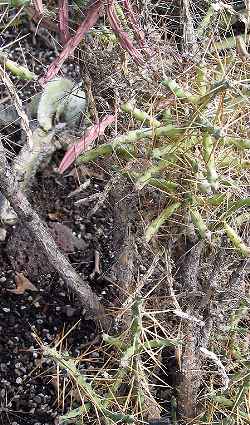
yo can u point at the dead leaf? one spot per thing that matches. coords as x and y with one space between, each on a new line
56 215
22 284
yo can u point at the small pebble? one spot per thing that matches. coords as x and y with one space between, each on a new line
6 310
19 380
70 311
3 367
37 399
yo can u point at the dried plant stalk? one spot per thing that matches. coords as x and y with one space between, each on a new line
18 104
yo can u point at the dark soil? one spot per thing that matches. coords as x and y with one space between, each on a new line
29 390
28 395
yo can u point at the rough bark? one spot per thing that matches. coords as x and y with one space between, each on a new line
189 42
191 359
40 232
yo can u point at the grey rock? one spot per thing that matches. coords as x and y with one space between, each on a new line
3 233
70 311
3 367
37 399
6 309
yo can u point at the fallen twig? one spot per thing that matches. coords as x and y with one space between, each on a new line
41 234
96 270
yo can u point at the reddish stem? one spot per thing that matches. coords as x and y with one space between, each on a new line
91 18
122 35
64 21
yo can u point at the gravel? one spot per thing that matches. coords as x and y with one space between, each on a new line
27 391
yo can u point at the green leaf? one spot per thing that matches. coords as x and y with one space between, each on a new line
73 414
199 224
18 3
236 241
160 220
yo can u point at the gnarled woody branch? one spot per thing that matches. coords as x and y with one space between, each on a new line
40 232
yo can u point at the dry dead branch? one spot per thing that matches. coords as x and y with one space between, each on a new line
42 236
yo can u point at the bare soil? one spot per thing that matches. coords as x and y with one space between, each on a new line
28 395
108 240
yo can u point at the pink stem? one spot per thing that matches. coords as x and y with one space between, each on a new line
122 35
38 6
91 18
85 142
134 22
64 20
